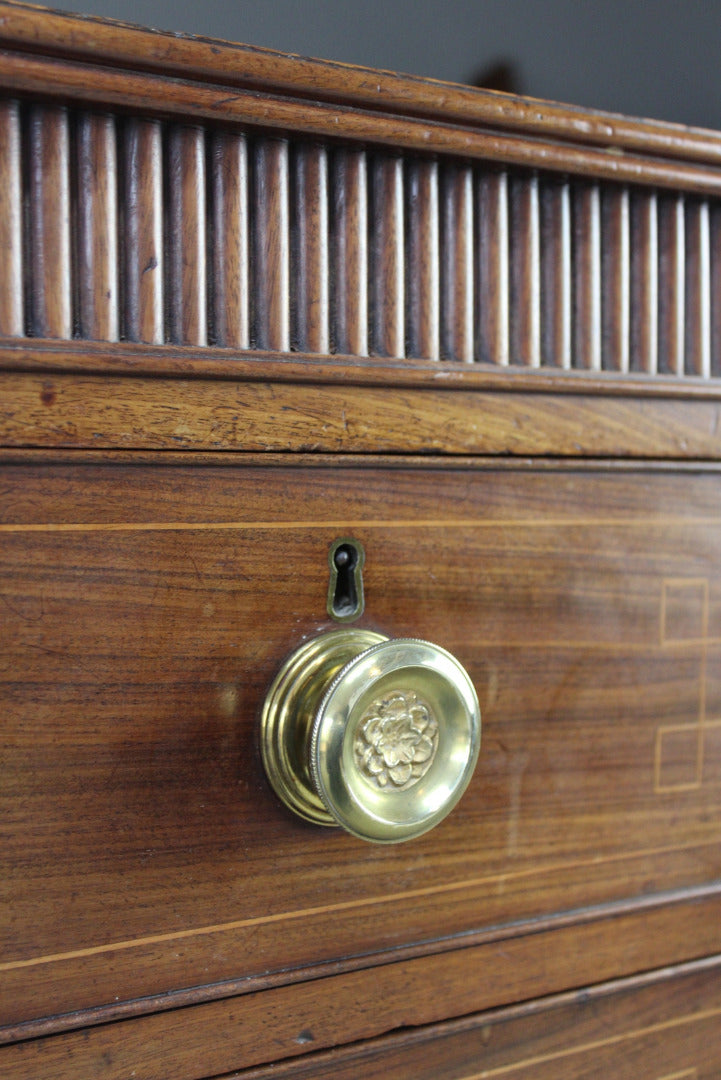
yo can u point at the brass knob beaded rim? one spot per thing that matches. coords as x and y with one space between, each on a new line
377 735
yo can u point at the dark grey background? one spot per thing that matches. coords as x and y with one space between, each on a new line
661 58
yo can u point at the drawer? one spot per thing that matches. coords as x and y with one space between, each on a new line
146 608
662 1027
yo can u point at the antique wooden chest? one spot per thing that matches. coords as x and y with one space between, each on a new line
253 306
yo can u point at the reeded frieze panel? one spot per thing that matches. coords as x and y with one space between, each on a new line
130 228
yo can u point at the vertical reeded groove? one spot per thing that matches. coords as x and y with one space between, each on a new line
311 250
698 291
616 279
525 264
230 279
97 228
387 246
349 230
587 277
144 232
422 272
493 286
12 317
715 288
271 245
556 274
672 286
644 282
457 263
186 285
49 247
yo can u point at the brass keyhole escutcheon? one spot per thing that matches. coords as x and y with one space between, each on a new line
374 734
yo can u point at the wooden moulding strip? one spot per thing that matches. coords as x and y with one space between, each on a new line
133 359
666 1011
93 411
201 59
240 1032
151 95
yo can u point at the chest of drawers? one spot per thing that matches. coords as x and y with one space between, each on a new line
251 305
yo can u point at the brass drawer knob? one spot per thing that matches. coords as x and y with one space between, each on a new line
374 734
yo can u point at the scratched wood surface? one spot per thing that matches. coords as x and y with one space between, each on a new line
45 406
142 845
658 1028
260 260
287 1022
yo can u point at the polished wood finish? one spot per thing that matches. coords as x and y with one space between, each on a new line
386 257
12 322
256 303
624 623
663 1026
271 245
230 271
226 1034
187 290
49 229
312 330
143 227
260 239
457 264
423 272
97 228
348 413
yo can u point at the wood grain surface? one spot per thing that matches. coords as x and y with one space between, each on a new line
341 99
143 229
282 1023
189 234
96 236
229 277
132 599
662 1027
501 319
48 255
12 319
339 415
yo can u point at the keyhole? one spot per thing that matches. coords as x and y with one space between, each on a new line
345 588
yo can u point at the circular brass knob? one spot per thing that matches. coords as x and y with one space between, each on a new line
374 734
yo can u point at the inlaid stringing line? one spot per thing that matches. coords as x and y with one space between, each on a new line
600 1044
363 902
658 522
702 723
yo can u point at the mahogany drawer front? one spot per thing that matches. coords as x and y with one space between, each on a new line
146 609
661 1028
